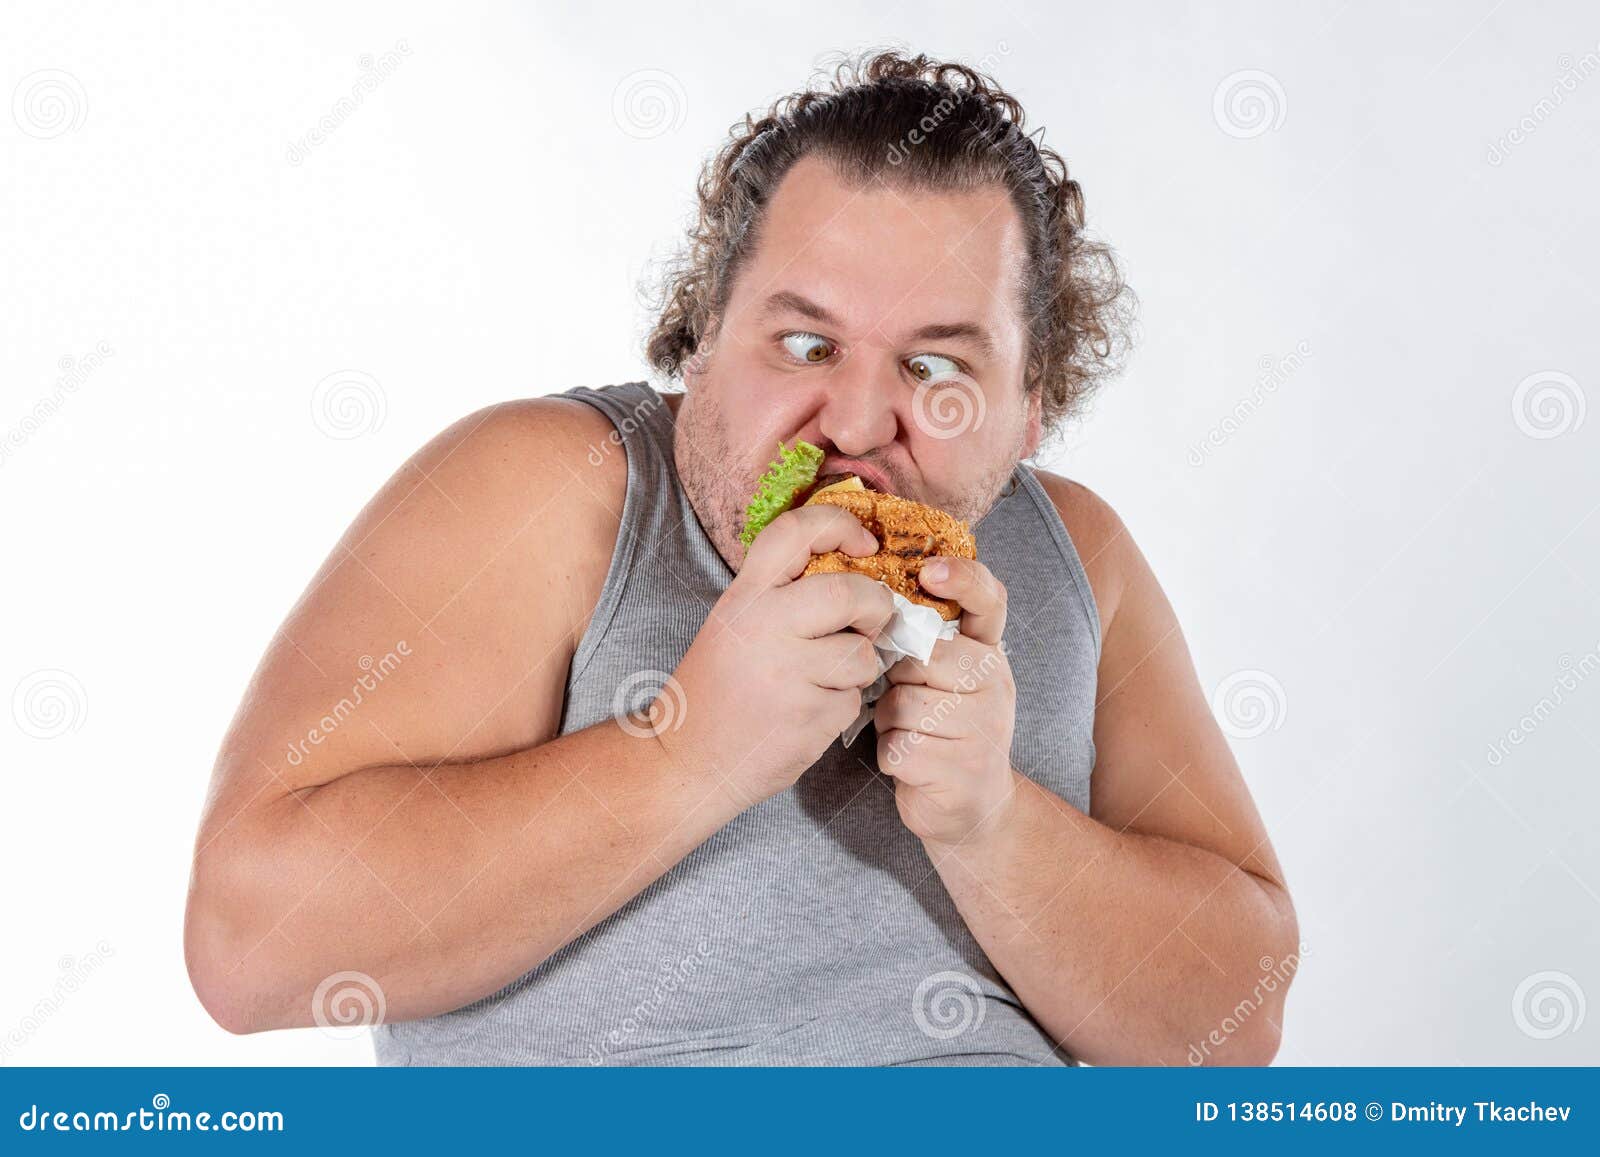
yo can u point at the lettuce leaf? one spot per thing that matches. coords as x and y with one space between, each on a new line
792 471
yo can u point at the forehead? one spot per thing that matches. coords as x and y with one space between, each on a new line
883 255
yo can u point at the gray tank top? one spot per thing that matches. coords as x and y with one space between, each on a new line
811 929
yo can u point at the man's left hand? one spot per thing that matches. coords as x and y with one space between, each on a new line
944 728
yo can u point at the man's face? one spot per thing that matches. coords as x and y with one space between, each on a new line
884 326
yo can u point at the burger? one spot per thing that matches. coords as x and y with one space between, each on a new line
908 533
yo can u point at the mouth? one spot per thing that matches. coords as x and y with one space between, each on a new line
871 475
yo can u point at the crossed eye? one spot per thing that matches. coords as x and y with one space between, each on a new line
814 348
808 347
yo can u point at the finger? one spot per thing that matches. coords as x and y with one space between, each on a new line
915 759
843 662
822 604
958 664
780 552
907 707
969 582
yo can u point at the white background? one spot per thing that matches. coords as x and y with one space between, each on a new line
1382 536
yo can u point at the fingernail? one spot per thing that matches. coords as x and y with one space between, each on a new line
936 571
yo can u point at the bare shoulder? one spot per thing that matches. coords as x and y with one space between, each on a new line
467 580
1110 557
514 471
527 492
533 442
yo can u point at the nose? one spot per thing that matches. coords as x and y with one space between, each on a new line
859 413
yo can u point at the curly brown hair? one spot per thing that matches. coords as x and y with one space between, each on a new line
926 125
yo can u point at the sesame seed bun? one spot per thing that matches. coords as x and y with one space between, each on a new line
908 533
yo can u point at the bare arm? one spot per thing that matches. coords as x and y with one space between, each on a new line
1157 930
392 798
389 799
443 883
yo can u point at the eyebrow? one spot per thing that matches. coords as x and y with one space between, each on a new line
786 300
957 331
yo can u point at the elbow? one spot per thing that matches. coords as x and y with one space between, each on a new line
217 984
218 940
1249 1031
1253 1045
1245 1035
223 1003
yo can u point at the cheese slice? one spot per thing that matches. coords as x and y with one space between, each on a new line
850 483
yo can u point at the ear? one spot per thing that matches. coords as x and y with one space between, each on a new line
1033 425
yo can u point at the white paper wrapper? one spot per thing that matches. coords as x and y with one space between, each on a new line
912 632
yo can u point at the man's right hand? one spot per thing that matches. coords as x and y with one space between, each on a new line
777 670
